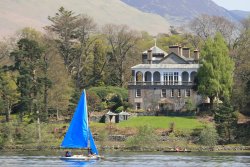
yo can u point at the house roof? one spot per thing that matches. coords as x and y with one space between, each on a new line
166 66
180 56
156 50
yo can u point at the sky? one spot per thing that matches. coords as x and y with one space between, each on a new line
234 4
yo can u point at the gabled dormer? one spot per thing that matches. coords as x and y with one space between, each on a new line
153 55
180 55
173 58
177 55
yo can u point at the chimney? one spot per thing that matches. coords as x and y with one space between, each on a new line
174 49
149 56
186 52
180 50
196 55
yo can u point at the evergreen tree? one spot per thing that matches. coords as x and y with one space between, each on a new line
215 76
226 122
75 43
28 62
64 25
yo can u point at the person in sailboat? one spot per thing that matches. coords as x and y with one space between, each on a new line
68 154
90 152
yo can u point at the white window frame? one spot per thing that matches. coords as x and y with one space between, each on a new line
171 78
165 78
138 93
179 92
164 93
176 78
172 93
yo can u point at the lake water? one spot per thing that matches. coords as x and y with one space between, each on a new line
127 159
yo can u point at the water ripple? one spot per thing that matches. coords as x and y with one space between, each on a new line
128 159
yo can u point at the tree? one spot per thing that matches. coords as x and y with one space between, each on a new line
27 63
245 24
93 102
61 87
215 76
64 24
206 26
8 93
226 122
121 40
31 34
84 34
76 40
58 77
4 51
6 46
100 60
241 56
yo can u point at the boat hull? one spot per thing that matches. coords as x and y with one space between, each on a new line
177 151
81 157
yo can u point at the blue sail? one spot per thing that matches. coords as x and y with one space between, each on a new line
77 135
92 144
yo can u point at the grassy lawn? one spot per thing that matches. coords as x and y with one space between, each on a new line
181 123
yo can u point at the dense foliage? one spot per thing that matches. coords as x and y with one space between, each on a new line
209 136
144 138
226 123
108 97
43 74
215 76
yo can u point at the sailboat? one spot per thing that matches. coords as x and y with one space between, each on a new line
79 135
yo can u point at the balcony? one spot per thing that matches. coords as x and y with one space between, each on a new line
155 83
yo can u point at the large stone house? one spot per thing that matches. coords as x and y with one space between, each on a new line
165 81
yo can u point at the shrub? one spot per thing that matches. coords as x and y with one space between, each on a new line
104 91
119 109
209 136
114 97
102 138
145 137
8 133
172 139
93 101
190 106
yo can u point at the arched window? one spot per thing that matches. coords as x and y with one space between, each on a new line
139 77
157 77
148 77
193 75
185 77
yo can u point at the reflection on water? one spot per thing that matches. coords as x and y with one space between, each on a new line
126 159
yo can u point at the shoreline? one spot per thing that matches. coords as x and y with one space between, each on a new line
218 148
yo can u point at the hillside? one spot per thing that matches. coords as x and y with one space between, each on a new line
16 14
239 15
178 12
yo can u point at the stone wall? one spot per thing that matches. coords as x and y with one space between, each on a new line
151 97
